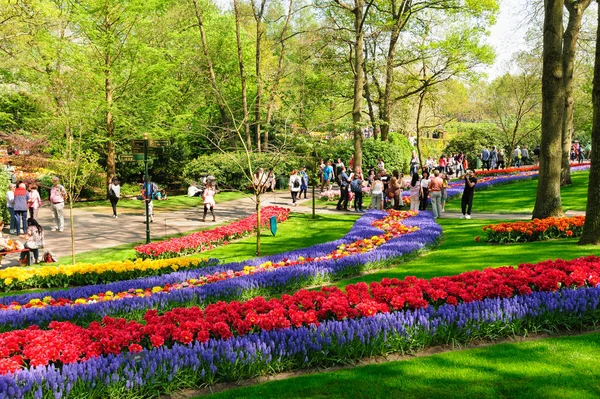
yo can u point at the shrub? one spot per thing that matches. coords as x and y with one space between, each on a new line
228 173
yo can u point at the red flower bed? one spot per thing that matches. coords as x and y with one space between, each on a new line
67 343
209 239
516 170
535 230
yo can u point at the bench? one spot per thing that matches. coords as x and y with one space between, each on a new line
15 251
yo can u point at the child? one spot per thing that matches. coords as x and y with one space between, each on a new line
208 196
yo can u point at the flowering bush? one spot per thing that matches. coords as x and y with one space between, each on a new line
209 239
18 278
535 230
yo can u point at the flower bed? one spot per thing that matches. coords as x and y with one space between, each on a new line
391 225
493 172
237 340
209 239
535 230
290 275
81 274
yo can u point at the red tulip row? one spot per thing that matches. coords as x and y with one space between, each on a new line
65 342
209 239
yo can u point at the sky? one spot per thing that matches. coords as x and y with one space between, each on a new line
507 36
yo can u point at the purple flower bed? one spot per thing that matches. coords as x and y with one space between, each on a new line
277 280
329 343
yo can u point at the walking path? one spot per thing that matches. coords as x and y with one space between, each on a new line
96 229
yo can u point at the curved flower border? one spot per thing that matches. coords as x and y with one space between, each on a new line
277 281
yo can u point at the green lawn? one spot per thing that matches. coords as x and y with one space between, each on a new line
520 197
549 368
174 203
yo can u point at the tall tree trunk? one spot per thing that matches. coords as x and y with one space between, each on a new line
278 74
247 134
399 18
571 35
591 228
258 16
358 81
211 70
548 201
418 126
367 95
109 121
386 109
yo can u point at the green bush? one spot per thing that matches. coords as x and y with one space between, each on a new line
395 153
228 172
4 182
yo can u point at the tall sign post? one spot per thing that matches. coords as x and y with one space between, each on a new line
141 151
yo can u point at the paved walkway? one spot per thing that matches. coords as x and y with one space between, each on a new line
96 229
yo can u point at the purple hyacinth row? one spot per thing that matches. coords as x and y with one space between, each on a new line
262 352
456 190
428 233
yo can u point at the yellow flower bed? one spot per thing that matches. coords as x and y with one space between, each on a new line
86 273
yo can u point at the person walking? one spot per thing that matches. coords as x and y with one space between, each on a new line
485 158
34 201
517 157
445 186
304 185
356 188
295 183
493 158
414 163
501 162
377 194
208 198
344 181
114 193
424 191
57 205
10 206
35 241
327 176
467 197
415 192
395 188
525 155
436 184
21 197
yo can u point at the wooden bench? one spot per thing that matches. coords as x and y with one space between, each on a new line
15 251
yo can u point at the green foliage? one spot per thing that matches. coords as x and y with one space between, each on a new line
395 153
474 137
18 111
231 169
4 182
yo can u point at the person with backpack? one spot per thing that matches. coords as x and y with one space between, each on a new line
356 188
114 193
344 186
304 184
295 183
